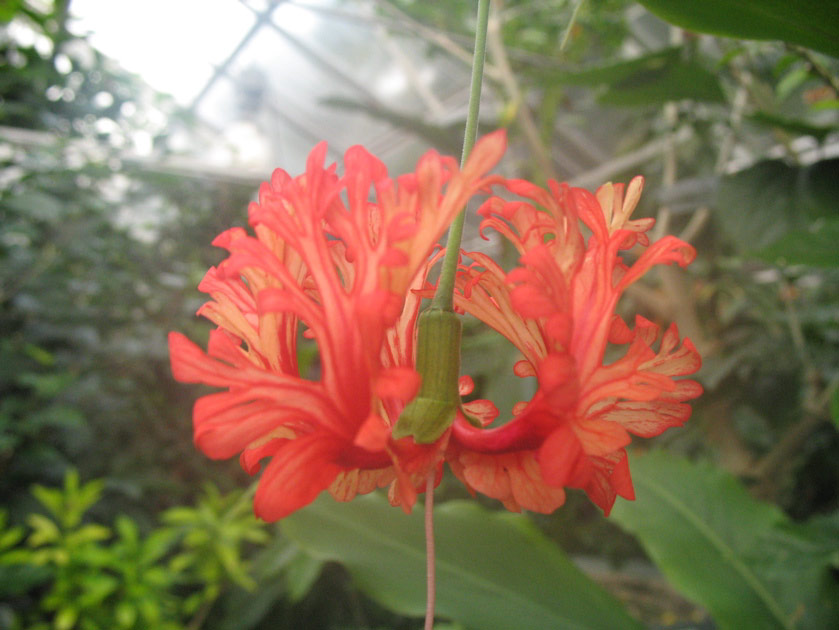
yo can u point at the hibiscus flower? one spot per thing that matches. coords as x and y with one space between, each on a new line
335 259
343 260
558 308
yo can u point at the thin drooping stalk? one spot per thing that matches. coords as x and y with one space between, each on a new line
430 570
444 295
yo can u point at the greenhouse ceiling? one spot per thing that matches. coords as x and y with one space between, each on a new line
274 78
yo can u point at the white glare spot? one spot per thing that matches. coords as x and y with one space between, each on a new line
103 100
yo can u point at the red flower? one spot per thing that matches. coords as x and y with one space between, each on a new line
328 258
558 309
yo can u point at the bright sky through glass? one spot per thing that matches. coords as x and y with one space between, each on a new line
303 73
173 46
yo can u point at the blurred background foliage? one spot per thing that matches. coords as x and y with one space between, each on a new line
734 121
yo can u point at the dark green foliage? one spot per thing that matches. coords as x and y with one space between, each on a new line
744 560
789 200
492 569
815 25
653 79
65 571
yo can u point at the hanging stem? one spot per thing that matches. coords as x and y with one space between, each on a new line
444 296
430 571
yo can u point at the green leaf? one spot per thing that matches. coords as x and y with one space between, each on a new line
158 543
41 355
762 204
283 571
127 530
44 530
66 618
620 71
817 246
37 204
791 81
17 579
811 24
754 206
301 572
834 407
799 560
493 570
9 538
50 498
95 588
826 104
86 496
179 516
9 9
126 615
88 534
228 557
715 543
792 125
649 80
47 385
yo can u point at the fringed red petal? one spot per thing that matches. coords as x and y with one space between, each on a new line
558 308
299 471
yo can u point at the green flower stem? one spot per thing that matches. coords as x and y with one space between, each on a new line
434 409
444 296
438 352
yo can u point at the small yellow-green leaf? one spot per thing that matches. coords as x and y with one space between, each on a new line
126 615
50 498
44 530
66 618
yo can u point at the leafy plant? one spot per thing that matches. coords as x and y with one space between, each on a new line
89 576
742 559
97 584
493 570
212 537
